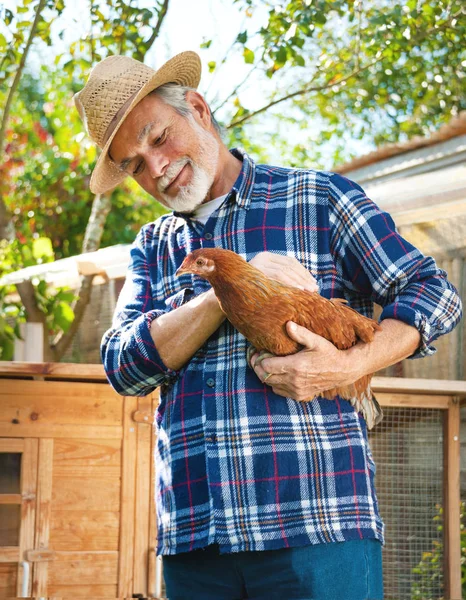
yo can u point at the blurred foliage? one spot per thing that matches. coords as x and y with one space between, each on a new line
429 572
381 71
48 158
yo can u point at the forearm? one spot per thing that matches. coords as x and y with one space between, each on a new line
396 341
179 334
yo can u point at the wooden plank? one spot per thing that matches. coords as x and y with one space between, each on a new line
95 372
451 512
99 471
96 592
7 579
39 555
9 554
84 530
99 556
155 563
11 445
128 491
87 452
54 402
86 569
58 370
86 493
419 386
412 400
38 430
29 470
143 492
44 497
10 499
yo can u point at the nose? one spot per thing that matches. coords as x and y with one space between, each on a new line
157 163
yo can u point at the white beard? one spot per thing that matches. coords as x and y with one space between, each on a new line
193 194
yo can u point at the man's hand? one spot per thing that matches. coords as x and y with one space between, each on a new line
317 367
286 269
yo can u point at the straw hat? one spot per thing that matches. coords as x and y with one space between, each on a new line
113 89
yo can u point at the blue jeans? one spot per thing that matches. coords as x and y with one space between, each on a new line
337 571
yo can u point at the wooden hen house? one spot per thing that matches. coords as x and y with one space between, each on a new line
77 516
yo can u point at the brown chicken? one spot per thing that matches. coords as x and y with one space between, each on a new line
259 308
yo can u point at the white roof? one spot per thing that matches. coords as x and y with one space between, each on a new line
110 263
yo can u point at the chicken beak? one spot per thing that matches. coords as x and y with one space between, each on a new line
182 270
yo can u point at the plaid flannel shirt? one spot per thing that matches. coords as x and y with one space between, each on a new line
236 464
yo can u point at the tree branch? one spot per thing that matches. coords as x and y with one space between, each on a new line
6 229
62 341
300 92
18 74
155 33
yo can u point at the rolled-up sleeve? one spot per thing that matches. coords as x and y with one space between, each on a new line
130 358
373 259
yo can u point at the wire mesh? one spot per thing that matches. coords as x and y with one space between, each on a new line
408 451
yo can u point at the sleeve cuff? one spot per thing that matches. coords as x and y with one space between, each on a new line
416 319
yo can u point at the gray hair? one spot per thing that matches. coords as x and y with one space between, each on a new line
174 95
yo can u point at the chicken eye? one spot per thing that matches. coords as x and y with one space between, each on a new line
199 262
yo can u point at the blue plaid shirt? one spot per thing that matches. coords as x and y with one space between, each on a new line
236 464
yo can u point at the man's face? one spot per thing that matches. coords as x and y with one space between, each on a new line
172 157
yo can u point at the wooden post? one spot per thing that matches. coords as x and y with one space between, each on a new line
451 504
31 347
128 501
44 498
29 471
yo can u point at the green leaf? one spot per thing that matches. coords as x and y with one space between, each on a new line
42 248
248 56
242 37
299 60
63 316
9 16
206 44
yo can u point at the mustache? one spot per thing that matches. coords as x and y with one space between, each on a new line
172 172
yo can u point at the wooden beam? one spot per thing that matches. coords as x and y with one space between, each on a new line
55 370
94 372
452 500
29 472
9 554
143 494
155 562
38 430
419 386
412 400
11 445
127 503
44 499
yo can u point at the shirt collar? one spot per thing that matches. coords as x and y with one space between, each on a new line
241 190
245 181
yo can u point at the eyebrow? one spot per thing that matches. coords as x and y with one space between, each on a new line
141 135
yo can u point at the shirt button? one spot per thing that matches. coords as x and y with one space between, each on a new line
210 382
208 236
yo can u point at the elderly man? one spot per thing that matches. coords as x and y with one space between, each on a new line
258 495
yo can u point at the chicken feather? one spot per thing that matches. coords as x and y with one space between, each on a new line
259 308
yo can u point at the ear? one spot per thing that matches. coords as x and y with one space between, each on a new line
200 108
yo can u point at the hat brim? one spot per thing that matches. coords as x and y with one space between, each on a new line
184 69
